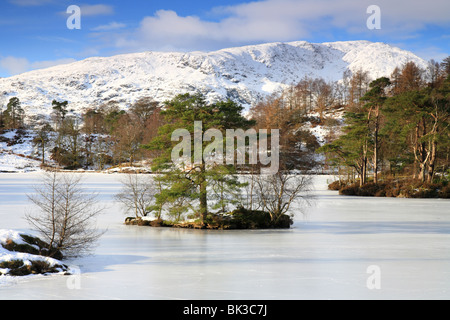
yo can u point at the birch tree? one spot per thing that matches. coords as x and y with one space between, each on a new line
280 193
65 215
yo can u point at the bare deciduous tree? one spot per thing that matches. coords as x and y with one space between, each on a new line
137 195
128 138
65 215
281 193
144 108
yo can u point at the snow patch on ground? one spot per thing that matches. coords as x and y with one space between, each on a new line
18 157
14 163
7 235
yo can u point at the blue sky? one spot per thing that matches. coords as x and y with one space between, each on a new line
34 33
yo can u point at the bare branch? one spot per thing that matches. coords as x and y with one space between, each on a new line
65 215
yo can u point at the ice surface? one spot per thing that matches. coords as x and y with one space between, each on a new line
325 255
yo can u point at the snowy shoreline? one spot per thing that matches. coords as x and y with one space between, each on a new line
15 261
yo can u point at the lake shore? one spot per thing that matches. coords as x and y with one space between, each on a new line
394 188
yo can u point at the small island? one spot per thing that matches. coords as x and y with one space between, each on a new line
398 188
238 219
199 184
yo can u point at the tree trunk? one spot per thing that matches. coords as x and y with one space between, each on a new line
362 181
363 173
422 172
421 156
375 147
203 195
43 152
432 160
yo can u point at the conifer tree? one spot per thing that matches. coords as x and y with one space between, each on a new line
14 114
374 100
422 119
192 181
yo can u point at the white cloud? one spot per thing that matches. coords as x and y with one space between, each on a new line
14 65
25 3
96 10
432 52
281 20
17 65
110 26
167 30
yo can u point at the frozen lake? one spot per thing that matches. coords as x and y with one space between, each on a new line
403 243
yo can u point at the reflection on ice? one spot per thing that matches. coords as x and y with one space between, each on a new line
359 227
325 255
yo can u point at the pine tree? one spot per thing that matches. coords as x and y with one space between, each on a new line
422 117
14 114
352 149
41 140
192 179
374 100
60 110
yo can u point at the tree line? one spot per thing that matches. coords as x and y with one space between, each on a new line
101 136
400 128
396 126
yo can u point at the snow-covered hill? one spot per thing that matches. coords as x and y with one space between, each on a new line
245 74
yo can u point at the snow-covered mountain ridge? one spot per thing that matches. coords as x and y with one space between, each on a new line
244 74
